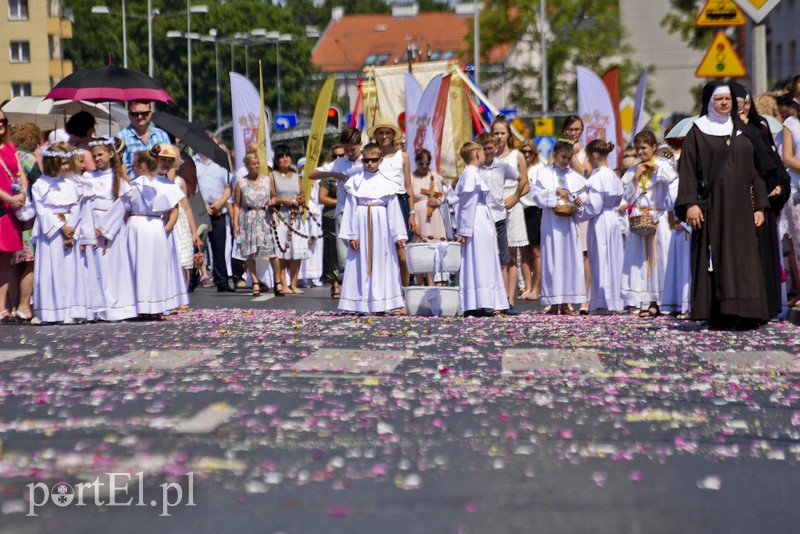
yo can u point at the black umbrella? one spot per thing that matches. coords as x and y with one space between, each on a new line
192 135
109 83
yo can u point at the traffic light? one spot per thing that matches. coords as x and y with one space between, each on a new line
335 117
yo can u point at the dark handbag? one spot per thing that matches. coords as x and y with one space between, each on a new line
198 206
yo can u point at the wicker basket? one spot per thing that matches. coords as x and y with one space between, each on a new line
565 208
421 257
644 224
432 301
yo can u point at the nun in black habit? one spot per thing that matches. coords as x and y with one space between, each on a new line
770 168
722 198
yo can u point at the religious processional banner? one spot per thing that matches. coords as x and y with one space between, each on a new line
390 88
247 113
596 110
425 116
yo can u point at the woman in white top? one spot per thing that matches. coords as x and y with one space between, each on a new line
531 254
513 191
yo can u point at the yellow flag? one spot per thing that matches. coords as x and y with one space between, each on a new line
263 154
317 134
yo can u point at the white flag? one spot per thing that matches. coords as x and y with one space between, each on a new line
425 116
246 107
596 110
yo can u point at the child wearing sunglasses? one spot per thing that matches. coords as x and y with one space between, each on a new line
373 226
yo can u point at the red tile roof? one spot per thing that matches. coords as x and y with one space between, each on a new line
347 43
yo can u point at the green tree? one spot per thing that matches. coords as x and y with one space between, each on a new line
580 32
95 37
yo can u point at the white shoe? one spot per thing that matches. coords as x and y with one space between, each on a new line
69 320
36 320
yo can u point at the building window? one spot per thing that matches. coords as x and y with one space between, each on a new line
18 9
20 89
20 52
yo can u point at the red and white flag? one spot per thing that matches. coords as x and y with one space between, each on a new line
425 116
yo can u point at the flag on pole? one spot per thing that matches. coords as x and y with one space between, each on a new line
638 107
263 134
317 134
354 122
596 110
247 106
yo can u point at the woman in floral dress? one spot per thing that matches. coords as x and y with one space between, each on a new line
252 198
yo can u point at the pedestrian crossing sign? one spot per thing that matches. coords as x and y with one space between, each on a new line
720 13
721 60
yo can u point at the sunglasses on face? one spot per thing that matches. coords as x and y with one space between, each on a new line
370 160
423 163
339 155
139 114
3 122
527 152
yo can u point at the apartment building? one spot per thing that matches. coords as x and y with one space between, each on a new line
32 32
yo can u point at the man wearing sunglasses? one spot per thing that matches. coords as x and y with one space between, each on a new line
140 135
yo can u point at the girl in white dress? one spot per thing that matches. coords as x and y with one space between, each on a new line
531 255
59 286
601 198
676 298
107 257
152 206
186 236
481 290
563 280
646 191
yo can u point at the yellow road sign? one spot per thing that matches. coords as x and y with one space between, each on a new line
544 126
721 60
720 13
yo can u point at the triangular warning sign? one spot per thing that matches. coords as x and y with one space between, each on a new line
721 60
720 13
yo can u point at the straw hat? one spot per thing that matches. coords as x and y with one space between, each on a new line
170 151
385 122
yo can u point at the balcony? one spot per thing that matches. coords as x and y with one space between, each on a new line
59 27
59 68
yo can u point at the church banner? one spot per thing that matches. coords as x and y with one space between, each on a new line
596 110
425 116
247 106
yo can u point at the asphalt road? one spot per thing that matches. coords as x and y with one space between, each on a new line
280 415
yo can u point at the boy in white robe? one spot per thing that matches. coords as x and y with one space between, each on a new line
59 291
481 289
563 281
373 226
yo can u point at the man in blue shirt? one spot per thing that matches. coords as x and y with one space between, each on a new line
140 135
214 184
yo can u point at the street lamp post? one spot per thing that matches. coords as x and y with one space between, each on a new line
103 10
543 46
213 34
277 38
212 37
